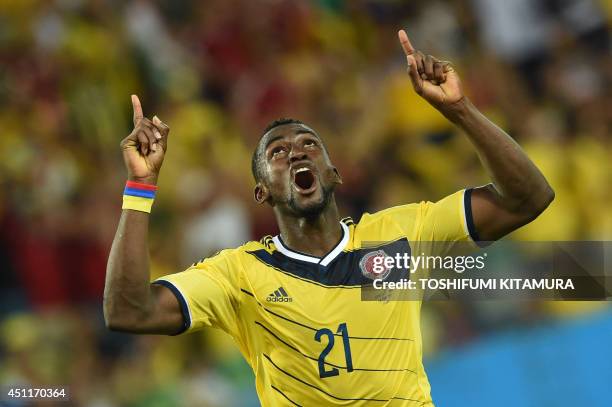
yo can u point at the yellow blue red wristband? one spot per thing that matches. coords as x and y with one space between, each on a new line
138 197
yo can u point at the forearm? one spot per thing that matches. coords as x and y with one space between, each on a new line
518 183
127 292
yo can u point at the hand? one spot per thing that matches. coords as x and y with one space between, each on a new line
436 81
145 147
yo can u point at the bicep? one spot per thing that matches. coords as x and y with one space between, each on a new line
492 220
205 296
165 315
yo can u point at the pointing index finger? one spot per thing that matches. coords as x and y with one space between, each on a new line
406 45
137 109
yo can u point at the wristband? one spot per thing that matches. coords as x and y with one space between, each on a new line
138 197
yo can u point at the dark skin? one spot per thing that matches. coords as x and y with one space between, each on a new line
308 218
131 304
289 147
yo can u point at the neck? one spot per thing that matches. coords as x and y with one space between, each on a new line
314 236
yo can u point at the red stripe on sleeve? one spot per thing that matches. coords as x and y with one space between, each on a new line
138 185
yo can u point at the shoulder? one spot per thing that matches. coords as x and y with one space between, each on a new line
414 212
391 223
411 210
233 256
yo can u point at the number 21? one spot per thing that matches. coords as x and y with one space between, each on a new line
342 329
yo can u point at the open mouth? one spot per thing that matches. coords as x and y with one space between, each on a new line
304 180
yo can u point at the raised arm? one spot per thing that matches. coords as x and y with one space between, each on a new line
519 192
131 303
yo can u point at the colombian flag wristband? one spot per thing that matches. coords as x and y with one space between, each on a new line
138 197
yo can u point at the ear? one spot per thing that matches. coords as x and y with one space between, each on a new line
338 178
260 193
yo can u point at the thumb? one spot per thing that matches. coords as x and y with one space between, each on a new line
415 78
161 126
163 130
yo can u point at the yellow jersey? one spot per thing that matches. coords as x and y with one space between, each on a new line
300 321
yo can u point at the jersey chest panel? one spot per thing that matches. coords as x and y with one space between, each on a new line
308 322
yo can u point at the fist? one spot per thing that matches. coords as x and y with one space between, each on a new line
434 80
145 147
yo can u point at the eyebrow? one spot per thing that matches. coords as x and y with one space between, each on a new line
299 131
272 140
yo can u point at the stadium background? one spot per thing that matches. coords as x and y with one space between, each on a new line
217 72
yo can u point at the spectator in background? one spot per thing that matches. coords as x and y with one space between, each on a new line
226 67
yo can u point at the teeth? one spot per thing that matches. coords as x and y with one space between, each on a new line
302 170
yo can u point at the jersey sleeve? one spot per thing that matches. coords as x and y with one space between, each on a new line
207 292
448 222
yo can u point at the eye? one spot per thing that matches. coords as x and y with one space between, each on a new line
278 150
310 143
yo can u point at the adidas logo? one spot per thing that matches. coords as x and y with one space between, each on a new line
279 295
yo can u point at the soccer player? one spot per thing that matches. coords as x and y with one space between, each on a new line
292 302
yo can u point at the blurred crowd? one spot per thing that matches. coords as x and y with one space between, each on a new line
217 72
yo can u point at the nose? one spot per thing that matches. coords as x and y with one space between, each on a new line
297 154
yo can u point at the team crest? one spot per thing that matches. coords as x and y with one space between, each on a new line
373 268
